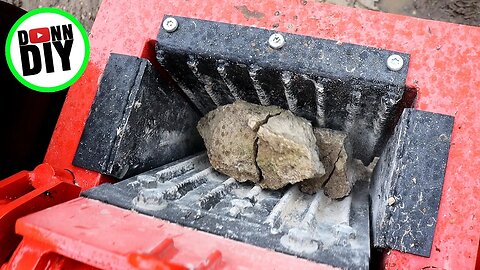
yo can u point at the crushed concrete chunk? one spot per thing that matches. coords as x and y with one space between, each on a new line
230 134
335 154
346 3
266 145
367 4
287 151
364 173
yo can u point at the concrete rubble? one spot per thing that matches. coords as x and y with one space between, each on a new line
336 157
272 147
287 151
230 135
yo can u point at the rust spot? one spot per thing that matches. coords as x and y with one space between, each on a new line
250 13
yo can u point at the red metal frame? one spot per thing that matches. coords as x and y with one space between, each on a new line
444 69
120 239
28 192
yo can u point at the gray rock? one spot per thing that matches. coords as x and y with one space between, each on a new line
335 154
362 172
287 151
230 134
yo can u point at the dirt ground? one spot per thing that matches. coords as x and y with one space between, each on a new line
456 11
84 10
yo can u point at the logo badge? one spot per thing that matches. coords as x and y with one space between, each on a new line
47 49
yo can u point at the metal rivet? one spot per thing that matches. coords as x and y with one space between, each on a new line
170 24
276 41
395 62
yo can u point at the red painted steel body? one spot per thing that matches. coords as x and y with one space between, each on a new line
94 234
27 192
444 69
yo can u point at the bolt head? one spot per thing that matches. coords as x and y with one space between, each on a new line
395 62
276 41
170 24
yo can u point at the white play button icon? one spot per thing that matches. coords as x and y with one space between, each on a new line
39 35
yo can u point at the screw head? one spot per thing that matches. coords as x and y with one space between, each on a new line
170 24
276 41
395 62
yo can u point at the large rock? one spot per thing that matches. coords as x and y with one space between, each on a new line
266 145
335 154
230 134
287 151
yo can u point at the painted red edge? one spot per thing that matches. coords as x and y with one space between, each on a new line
19 198
444 68
109 240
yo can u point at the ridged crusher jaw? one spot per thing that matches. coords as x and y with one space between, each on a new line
335 85
189 192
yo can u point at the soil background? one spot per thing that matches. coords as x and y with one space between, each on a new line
455 11
84 10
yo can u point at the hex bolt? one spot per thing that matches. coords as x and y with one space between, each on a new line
276 41
170 24
395 62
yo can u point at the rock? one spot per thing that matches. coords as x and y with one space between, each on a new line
335 154
367 4
230 134
287 151
362 172
266 145
346 3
